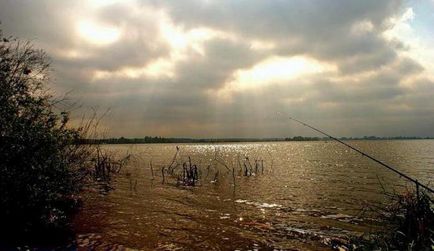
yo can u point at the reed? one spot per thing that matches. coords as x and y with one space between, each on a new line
183 171
407 219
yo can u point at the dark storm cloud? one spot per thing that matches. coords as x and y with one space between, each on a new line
278 19
44 22
211 71
323 29
372 87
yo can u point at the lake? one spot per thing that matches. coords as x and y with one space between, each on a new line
298 195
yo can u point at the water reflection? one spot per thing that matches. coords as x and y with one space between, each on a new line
310 193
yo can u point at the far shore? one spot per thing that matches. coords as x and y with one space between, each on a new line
159 140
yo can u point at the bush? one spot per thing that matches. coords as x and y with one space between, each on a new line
408 221
412 219
40 164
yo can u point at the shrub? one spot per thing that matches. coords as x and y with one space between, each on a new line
412 219
40 166
408 221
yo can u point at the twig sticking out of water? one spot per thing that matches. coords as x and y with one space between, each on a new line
233 176
207 171
239 165
105 165
171 168
248 168
163 175
190 174
216 176
152 169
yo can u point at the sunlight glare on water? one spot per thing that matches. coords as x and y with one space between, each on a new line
307 192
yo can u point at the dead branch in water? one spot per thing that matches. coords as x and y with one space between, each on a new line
105 165
152 169
162 174
171 167
183 171
190 174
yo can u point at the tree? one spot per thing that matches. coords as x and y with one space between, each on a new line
40 164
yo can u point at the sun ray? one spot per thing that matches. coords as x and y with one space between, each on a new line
98 34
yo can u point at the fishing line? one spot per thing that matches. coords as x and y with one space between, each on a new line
401 174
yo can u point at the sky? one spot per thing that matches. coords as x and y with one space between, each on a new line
238 68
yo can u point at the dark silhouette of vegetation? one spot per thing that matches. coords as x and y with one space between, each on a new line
183 171
411 215
408 221
39 181
42 166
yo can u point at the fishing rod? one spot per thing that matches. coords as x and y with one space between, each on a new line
401 174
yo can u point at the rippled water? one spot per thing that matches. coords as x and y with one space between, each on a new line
308 192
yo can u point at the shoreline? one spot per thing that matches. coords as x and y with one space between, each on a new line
158 140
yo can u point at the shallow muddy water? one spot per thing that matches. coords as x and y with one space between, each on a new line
307 194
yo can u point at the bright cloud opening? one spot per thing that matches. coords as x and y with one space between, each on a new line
274 70
419 46
278 69
180 40
102 3
98 34
156 69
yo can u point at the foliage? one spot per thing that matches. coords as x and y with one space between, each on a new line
412 219
408 220
40 166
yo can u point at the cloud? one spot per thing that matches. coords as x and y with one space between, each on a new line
225 68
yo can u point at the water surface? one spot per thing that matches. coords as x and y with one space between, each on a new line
307 194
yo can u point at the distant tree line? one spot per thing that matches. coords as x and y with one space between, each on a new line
157 139
301 138
150 140
385 138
